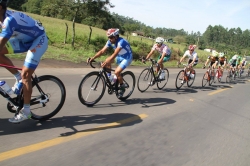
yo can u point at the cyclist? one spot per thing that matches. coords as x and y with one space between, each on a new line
122 54
243 64
234 62
192 57
213 59
164 51
20 33
222 63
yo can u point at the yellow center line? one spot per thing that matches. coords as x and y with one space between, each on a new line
218 91
56 141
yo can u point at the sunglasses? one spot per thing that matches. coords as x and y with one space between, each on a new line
158 43
111 37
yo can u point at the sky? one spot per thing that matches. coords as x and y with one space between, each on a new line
190 15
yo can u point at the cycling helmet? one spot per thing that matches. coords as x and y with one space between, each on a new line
192 47
4 2
159 40
112 32
221 54
215 54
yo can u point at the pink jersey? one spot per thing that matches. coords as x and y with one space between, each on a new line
163 49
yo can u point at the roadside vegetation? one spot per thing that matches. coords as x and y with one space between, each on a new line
76 31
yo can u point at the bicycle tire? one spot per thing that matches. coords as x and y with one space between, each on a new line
51 92
144 80
179 78
91 83
128 77
205 79
165 81
191 80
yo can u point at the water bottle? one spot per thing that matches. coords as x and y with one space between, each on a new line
18 88
114 78
162 76
6 87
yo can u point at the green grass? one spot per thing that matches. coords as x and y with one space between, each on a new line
56 28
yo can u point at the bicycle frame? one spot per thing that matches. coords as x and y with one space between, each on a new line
153 62
18 103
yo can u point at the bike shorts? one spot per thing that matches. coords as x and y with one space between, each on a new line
122 62
195 62
221 63
35 49
165 59
211 63
233 64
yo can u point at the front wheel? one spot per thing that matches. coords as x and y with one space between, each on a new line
129 80
48 97
91 88
144 80
179 80
205 79
163 82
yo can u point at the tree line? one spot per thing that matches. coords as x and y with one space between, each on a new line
95 13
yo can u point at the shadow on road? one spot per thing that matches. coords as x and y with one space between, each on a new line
145 102
6 128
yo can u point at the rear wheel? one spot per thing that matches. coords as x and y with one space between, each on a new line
163 82
48 97
191 80
179 80
129 80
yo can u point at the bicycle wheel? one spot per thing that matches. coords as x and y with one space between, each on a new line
228 79
129 79
91 88
205 79
163 82
191 80
48 97
144 80
179 80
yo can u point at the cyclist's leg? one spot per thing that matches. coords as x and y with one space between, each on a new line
8 49
122 64
34 53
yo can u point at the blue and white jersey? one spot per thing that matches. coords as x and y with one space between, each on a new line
126 51
20 26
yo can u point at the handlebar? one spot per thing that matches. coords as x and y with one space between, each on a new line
99 65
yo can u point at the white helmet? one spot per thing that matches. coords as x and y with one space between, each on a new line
215 54
159 40
221 54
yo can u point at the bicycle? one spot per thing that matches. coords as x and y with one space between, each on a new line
230 75
207 77
47 99
148 77
248 72
183 76
93 85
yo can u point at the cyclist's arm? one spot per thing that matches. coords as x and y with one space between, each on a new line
149 54
3 41
162 56
99 53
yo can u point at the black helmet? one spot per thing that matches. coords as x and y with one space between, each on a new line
4 2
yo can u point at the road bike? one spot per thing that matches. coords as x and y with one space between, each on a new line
248 72
47 99
208 77
230 75
185 76
148 77
93 85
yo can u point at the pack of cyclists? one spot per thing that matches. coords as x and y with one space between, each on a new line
21 33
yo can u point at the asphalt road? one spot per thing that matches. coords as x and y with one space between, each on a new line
192 126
